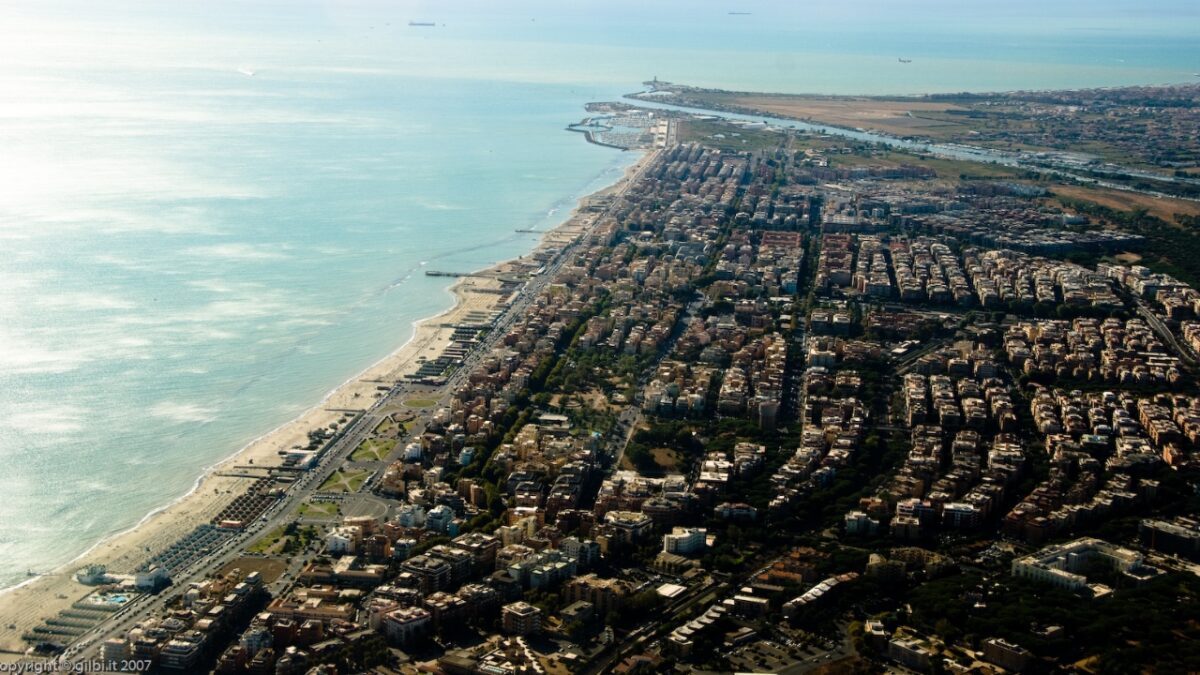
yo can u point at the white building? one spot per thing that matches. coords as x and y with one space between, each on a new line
466 456
411 515
585 552
1062 565
343 540
858 523
255 640
94 575
521 618
685 540
403 625
152 579
439 519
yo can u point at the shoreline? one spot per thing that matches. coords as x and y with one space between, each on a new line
209 471
26 604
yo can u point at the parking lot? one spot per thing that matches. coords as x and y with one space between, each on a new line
790 650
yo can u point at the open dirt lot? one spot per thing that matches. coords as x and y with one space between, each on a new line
894 117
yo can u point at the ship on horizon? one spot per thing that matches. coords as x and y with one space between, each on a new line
904 60
428 24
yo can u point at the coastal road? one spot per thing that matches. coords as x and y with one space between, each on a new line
534 286
278 515
336 455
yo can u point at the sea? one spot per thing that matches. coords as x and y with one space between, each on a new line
212 213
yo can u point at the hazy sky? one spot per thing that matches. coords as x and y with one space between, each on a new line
626 41
1178 17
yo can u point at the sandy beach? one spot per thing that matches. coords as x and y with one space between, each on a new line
24 607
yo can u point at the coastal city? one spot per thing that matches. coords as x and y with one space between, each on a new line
778 401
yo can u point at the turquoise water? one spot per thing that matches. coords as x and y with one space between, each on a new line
212 214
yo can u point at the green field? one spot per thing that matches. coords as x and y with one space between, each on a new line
344 481
725 136
420 403
284 539
269 541
318 510
395 428
947 169
373 449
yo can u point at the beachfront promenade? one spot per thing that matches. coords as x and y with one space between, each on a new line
357 431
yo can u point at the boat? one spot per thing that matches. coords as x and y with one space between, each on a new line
423 24
739 13
903 60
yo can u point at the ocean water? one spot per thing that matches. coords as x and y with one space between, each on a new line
212 213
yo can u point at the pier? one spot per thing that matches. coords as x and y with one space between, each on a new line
442 273
239 474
